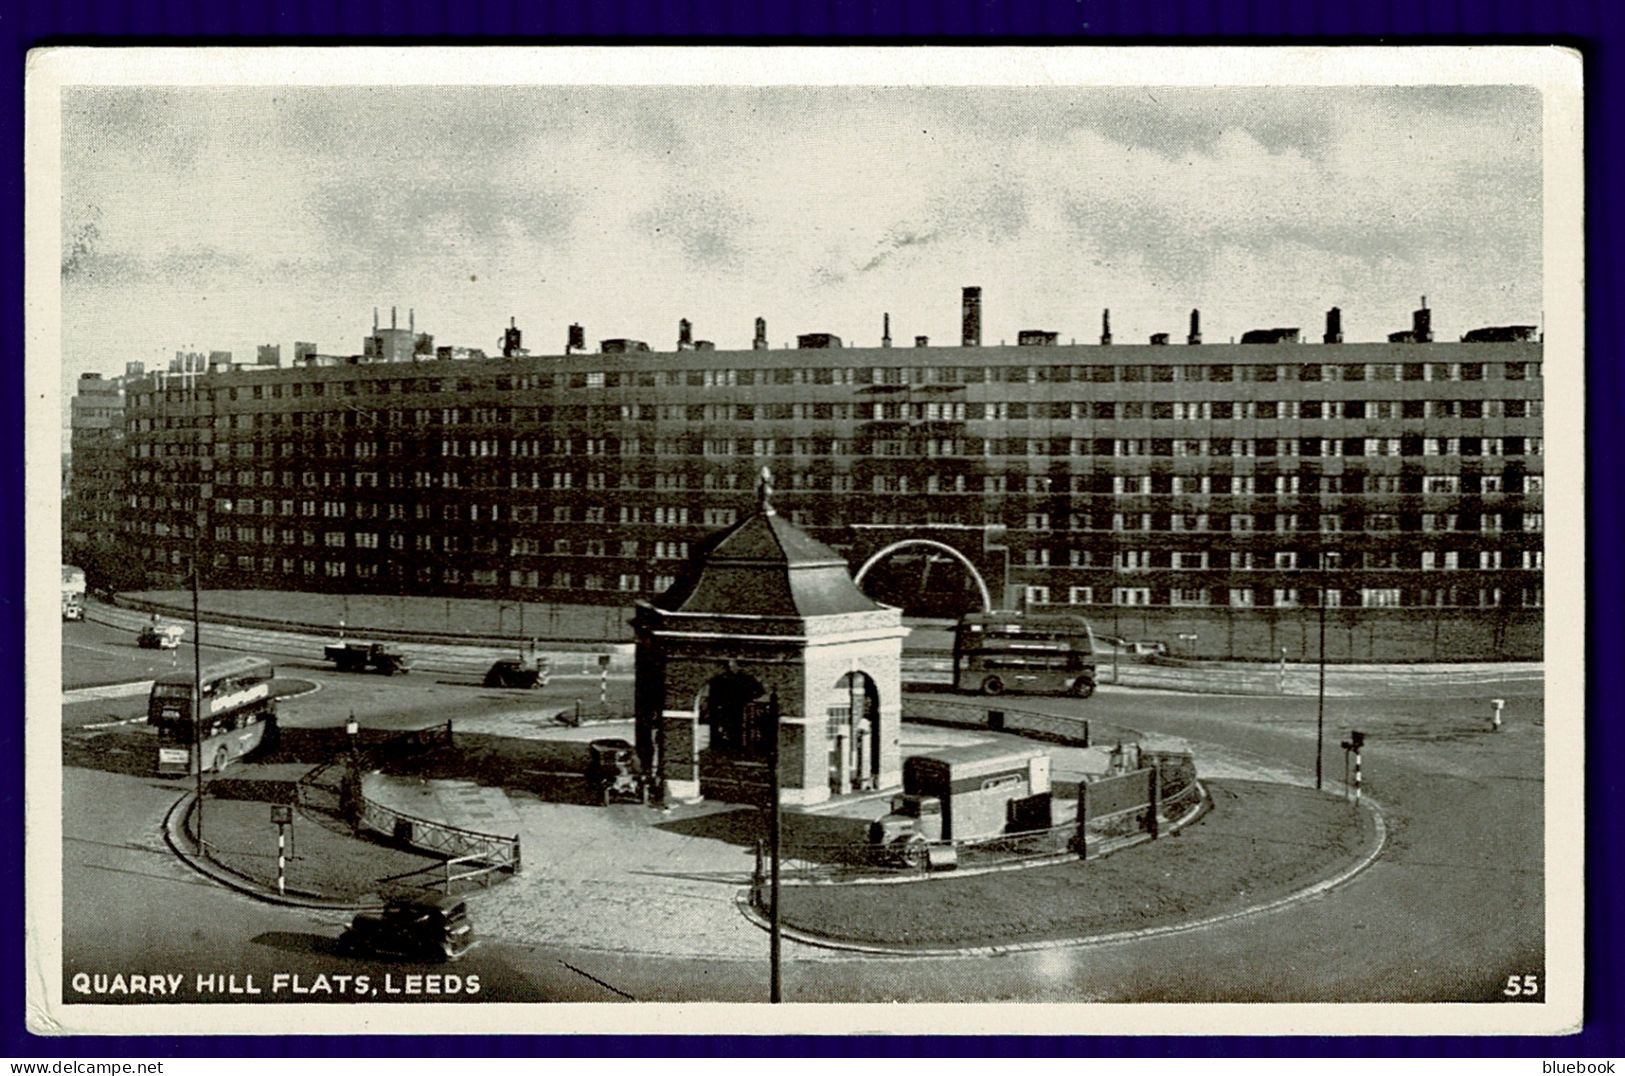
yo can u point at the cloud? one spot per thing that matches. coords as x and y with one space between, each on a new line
899 239
423 216
708 227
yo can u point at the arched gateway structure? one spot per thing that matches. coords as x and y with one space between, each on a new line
981 551
763 610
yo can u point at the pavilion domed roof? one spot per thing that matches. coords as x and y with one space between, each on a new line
766 566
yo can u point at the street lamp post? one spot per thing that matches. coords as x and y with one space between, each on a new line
775 979
197 699
1328 564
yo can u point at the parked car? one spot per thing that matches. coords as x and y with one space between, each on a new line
428 926
613 772
517 672
155 637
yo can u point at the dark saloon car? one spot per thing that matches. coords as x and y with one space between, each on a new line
427 926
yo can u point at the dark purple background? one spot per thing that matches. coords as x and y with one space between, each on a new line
1594 27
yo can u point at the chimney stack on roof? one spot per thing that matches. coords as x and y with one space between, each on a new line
1334 326
1106 326
685 335
1422 323
971 317
922 341
1195 336
885 331
760 343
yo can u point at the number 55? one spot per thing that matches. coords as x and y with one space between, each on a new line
1521 986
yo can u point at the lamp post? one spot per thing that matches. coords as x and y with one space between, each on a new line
197 697
1328 564
775 983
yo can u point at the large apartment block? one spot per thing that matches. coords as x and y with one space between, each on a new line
1196 483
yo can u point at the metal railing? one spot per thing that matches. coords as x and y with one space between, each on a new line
453 842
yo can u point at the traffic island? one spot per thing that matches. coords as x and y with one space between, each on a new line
319 863
1261 845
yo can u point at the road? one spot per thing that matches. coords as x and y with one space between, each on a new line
1453 907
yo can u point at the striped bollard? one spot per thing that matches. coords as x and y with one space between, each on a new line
282 815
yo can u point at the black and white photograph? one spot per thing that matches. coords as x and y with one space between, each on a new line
877 540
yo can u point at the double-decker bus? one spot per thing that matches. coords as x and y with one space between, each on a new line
238 714
73 593
1043 653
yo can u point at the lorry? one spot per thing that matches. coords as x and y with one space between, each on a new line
361 657
963 793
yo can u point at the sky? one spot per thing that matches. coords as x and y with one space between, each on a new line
219 218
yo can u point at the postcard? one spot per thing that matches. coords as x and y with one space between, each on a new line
861 540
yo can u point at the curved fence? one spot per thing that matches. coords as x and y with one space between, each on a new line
1111 812
337 788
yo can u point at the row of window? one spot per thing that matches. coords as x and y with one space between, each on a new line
1286 560
310 567
867 411
1054 373
918 447
1294 597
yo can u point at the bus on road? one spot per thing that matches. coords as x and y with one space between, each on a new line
238 715
73 593
1042 653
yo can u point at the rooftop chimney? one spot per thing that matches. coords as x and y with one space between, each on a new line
1195 336
412 320
760 343
1105 326
1422 323
577 339
1334 326
971 318
375 321
1159 339
885 332
685 335
922 341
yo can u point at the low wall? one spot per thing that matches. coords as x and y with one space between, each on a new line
1035 724
1352 635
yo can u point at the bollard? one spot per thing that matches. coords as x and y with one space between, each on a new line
1496 706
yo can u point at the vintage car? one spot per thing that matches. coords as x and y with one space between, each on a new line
613 773
159 637
517 672
412 926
